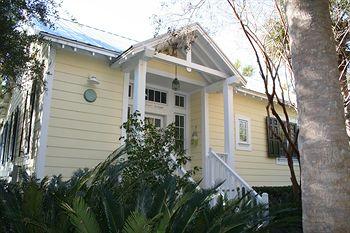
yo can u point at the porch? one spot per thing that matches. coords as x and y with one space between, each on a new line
202 109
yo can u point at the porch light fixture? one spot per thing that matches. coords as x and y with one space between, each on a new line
175 85
93 80
194 138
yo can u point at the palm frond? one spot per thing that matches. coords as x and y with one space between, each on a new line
136 223
82 216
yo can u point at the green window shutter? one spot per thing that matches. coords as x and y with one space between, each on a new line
295 129
273 144
13 145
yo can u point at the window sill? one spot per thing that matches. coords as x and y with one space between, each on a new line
283 161
244 146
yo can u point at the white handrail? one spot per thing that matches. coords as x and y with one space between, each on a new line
220 171
181 170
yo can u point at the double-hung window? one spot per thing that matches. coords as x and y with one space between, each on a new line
243 133
179 101
180 131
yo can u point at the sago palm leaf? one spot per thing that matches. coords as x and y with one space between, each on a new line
137 223
82 216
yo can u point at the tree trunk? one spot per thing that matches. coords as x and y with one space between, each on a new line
324 146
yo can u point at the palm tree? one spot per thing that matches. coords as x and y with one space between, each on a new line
324 145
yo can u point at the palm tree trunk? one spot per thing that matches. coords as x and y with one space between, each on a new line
324 146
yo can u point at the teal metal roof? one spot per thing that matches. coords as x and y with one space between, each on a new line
88 35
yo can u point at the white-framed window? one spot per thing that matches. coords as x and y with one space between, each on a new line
243 133
156 96
179 100
180 130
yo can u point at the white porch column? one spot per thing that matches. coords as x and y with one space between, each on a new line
228 122
140 87
205 137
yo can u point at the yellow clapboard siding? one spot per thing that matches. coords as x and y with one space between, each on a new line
77 134
81 125
258 169
79 98
65 171
73 162
80 133
81 153
195 120
80 143
77 81
79 89
84 62
84 116
74 106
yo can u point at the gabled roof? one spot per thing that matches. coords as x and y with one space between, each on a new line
76 32
205 50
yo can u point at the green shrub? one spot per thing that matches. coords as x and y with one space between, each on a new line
112 197
280 198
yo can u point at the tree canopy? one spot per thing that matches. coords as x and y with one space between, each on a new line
18 55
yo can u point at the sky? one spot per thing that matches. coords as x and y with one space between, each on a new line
131 18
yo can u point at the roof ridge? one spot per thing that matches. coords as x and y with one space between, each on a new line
101 30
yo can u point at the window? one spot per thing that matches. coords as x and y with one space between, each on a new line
274 134
243 135
157 121
156 96
180 131
243 131
130 91
179 101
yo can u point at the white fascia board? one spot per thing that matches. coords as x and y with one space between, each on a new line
192 65
132 53
171 76
79 45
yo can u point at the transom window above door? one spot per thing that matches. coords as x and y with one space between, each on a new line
156 96
179 101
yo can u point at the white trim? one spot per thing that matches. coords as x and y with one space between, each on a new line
140 87
284 161
180 78
205 136
41 157
243 145
192 65
125 100
66 42
228 123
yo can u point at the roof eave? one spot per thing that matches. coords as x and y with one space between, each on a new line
80 45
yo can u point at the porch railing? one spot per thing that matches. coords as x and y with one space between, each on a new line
233 185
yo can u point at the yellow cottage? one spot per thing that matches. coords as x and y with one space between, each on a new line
94 78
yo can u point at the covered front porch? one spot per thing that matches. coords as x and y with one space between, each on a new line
201 107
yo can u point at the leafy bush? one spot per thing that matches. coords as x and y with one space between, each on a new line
113 198
281 197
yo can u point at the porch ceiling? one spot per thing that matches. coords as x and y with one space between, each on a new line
165 82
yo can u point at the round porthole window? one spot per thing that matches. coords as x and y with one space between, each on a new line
90 95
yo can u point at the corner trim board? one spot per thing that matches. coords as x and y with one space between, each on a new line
41 157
